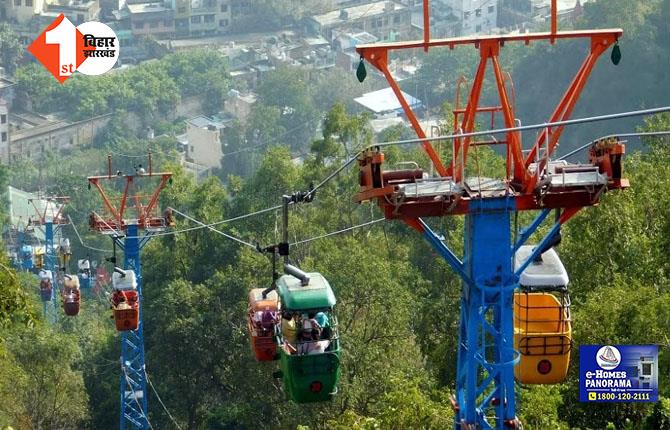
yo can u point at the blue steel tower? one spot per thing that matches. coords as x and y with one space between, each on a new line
131 227
49 213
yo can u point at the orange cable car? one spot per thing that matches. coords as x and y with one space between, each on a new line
262 318
125 300
71 295
542 320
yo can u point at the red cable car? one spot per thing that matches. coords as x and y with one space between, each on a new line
125 301
71 295
262 317
46 285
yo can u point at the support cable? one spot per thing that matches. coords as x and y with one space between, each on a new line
161 401
82 241
238 240
437 138
643 134
323 236
585 120
130 384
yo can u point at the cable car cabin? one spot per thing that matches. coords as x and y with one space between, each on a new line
262 317
125 300
542 320
84 273
71 295
39 257
64 253
309 342
27 257
46 284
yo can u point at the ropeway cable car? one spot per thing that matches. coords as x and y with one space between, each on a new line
125 301
542 319
46 284
262 318
310 360
64 253
27 257
84 274
71 295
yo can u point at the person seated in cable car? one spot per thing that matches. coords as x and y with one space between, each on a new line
310 333
71 295
288 329
323 321
45 288
169 217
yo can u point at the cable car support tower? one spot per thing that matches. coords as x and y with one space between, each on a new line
50 216
131 221
485 397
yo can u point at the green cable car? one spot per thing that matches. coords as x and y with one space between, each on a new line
309 353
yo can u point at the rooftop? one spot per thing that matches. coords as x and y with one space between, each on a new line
147 8
385 101
202 121
354 13
316 295
5 83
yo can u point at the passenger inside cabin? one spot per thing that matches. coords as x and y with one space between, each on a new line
311 332
288 328
268 319
323 321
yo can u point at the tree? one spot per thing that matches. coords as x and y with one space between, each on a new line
48 392
10 48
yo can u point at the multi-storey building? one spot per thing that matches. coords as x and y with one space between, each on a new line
4 130
477 16
77 11
386 20
151 19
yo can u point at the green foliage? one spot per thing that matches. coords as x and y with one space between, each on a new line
44 389
659 419
11 50
150 90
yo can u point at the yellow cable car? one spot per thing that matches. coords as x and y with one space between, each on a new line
542 320
38 257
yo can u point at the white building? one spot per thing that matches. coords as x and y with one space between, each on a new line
204 141
476 16
22 11
4 130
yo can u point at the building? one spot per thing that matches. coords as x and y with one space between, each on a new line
202 17
151 19
204 145
386 20
239 105
524 13
476 16
77 11
22 11
31 135
384 103
344 44
4 130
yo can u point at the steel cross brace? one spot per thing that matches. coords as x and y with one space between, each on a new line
486 355
50 260
133 386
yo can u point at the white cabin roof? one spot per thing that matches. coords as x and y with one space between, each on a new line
549 272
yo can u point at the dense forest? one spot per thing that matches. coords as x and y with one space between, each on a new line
398 302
